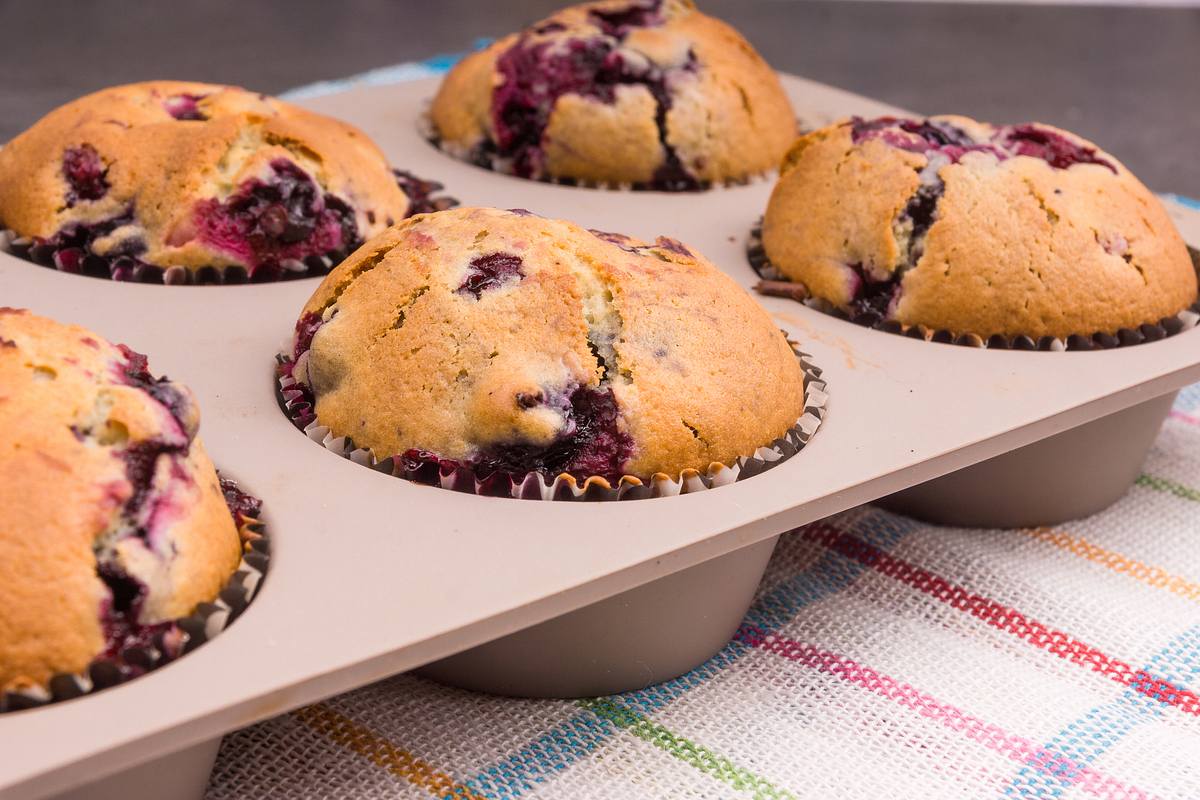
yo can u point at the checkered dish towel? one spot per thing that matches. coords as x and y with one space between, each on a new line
881 658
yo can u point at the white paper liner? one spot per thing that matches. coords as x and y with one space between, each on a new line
181 637
775 284
538 486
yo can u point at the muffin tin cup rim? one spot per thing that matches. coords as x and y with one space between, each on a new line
189 632
1184 320
543 486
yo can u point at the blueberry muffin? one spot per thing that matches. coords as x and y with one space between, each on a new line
191 182
112 519
960 226
509 343
651 93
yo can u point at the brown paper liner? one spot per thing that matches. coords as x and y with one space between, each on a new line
180 636
297 404
774 283
67 257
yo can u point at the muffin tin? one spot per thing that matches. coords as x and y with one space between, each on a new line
372 575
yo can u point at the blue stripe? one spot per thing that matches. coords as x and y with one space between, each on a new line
1101 728
383 76
577 737
1189 398
1183 201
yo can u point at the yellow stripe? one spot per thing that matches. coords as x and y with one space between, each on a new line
346 732
1145 573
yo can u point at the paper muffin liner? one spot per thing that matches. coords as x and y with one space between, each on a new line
180 636
297 404
774 283
68 257
486 158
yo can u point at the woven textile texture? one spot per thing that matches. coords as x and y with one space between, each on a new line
881 658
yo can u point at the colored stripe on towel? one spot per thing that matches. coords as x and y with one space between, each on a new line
1169 486
694 754
1145 573
1018 748
1004 618
347 733
1103 727
578 736
1185 417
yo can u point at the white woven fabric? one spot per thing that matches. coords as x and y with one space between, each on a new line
882 658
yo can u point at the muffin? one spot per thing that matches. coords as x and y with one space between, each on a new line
191 182
952 225
651 93
112 518
509 344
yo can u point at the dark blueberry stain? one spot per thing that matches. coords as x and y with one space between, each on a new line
7 342
242 506
285 217
595 447
137 373
184 106
1055 149
618 23
489 272
537 74
120 621
871 301
673 245
420 193
306 328
925 136
85 173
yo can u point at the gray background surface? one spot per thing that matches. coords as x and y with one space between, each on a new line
1128 78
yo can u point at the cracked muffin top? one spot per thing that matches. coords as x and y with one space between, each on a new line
962 226
511 343
112 520
651 93
136 180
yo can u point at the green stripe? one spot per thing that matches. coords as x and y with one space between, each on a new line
1167 485
699 757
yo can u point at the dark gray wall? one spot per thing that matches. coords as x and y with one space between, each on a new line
1128 78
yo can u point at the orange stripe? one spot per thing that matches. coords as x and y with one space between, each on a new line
1145 573
344 731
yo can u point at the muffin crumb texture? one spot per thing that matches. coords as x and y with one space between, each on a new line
956 225
509 343
650 93
112 519
196 183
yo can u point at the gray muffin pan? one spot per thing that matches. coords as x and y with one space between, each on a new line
371 575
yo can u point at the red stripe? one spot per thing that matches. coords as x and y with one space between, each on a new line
1002 617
